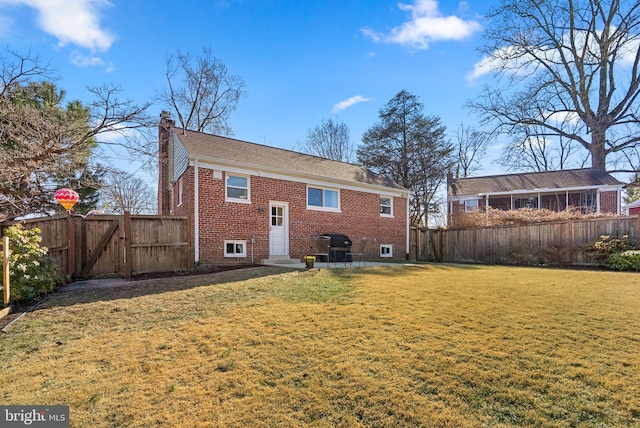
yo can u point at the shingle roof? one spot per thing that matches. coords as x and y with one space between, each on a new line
532 181
213 148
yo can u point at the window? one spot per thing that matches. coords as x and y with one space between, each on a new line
525 203
235 248
471 206
386 250
386 206
588 201
180 192
323 198
237 188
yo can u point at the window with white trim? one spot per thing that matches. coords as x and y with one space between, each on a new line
471 206
527 202
321 198
237 188
386 206
386 250
180 191
235 248
588 201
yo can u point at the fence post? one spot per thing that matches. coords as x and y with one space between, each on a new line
127 245
71 252
5 270
570 239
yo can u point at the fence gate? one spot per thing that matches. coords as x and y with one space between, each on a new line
100 246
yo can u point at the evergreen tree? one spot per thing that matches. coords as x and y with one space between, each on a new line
410 148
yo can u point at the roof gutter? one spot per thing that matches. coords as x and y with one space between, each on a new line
606 188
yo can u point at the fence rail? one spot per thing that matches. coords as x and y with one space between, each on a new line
115 245
554 243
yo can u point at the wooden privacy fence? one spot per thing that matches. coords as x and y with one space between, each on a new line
115 245
554 243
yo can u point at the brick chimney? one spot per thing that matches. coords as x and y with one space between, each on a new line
164 186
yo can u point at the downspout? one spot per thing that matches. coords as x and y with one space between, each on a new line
598 201
486 210
196 213
618 200
406 234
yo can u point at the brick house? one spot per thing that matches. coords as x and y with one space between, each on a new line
633 208
249 203
590 190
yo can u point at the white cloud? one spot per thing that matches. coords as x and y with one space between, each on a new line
427 24
5 24
348 103
71 21
83 61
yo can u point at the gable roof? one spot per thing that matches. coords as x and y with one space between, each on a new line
538 181
229 151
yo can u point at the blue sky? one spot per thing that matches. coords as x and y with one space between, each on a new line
301 61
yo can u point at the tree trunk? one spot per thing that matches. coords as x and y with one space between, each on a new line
597 149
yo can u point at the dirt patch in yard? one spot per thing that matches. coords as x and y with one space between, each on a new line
143 284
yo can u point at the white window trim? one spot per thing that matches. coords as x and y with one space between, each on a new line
235 242
385 254
180 191
390 215
323 208
466 206
239 200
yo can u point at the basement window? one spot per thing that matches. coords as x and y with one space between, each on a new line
235 248
386 250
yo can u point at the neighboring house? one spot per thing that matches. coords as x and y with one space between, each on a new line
633 208
590 190
248 203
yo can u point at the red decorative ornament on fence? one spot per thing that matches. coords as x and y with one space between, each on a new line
67 198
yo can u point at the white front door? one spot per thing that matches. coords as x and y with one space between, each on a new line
278 229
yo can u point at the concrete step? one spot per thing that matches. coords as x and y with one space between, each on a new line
280 260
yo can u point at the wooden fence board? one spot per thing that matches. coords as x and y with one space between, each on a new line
542 243
154 244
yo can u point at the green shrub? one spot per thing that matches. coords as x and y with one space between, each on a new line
626 260
31 273
607 245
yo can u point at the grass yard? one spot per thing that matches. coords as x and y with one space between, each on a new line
428 345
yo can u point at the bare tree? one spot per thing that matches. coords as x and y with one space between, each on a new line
18 69
124 192
533 149
330 139
565 61
470 149
201 92
42 142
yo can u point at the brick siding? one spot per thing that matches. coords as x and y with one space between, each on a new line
609 202
221 220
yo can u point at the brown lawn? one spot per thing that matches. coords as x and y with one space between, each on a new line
428 345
